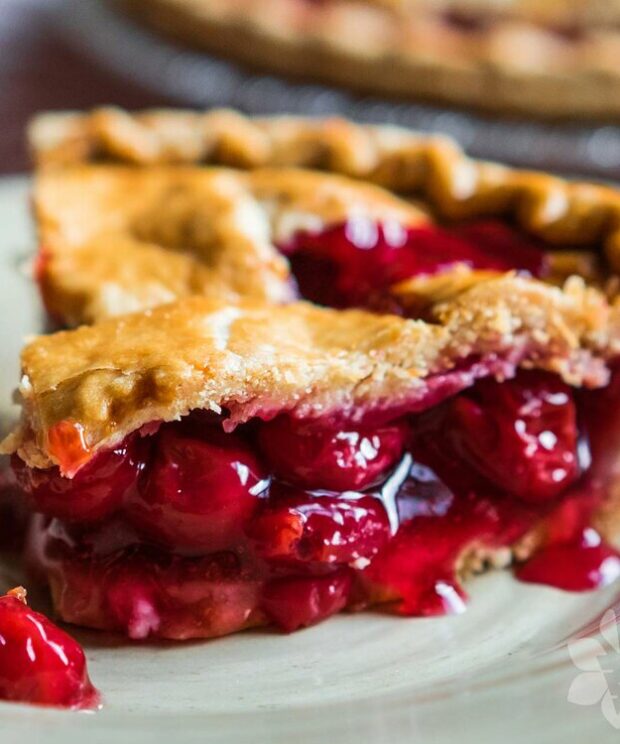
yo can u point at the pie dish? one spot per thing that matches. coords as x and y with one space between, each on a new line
446 402
552 58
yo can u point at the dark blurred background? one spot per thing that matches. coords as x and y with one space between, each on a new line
39 71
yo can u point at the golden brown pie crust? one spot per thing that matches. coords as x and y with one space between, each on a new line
121 197
400 160
541 57
114 377
119 239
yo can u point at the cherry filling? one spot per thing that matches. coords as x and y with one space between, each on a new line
200 533
92 494
14 516
355 263
520 435
198 494
300 527
337 459
40 663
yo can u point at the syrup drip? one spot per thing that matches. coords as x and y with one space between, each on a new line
419 564
580 565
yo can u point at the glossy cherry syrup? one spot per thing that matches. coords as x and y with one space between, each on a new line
585 562
290 521
353 264
40 663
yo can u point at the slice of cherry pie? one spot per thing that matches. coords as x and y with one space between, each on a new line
130 217
201 468
242 457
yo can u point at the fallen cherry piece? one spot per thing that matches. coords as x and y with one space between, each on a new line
39 662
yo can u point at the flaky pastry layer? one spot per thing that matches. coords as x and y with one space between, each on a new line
255 360
411 163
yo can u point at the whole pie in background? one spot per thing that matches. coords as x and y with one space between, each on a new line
342 387
539 57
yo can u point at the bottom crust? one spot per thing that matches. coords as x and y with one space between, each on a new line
210 607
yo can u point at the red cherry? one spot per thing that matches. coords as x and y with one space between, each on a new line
132 603
199 492
354 263
39 663
312 456
303 527
504 247
294 603
520 434
95 492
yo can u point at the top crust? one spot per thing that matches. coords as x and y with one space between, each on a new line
551 12
399 160
117 239
246 358
108 380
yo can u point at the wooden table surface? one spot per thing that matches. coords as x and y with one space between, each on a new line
39 72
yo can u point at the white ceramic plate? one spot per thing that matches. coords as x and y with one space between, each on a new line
500 672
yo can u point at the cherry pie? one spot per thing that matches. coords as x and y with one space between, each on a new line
446 401
202 468
542 57
117 238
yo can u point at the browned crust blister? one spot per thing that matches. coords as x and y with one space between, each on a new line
542 57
